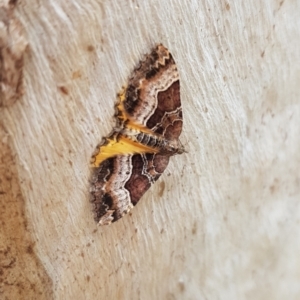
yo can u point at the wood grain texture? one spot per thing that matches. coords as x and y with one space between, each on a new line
21 272
13 44
225 225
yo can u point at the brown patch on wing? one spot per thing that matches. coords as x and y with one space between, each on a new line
167 117
138 183
146 169
173 130
168 101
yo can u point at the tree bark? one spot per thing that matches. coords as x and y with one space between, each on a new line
223 220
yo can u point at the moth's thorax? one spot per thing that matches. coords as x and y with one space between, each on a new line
158 142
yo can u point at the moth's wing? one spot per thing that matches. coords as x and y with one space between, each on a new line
167 117
151 101
146 169
119 183
108 194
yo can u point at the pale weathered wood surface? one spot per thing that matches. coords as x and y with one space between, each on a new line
223 220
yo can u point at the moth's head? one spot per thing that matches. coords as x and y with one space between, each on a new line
180 148
174 147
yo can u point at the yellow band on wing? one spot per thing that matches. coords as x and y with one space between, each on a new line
122 146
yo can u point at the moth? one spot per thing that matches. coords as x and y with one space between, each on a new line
148 125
